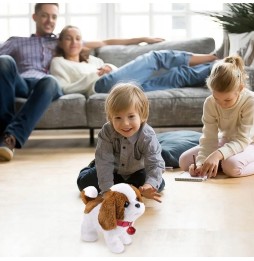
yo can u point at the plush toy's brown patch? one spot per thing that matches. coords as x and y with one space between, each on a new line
112 209
84 198
90 202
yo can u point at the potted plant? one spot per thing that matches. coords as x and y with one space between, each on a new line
239 17
237 22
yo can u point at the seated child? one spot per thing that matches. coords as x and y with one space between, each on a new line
127 148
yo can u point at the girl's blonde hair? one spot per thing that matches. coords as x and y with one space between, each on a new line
227 75
125 95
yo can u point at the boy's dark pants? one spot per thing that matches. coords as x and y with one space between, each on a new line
88 177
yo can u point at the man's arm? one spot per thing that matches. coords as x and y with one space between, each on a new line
129 41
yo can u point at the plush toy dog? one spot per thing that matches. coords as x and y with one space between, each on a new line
113 215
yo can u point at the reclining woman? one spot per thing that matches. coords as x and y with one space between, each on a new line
77 73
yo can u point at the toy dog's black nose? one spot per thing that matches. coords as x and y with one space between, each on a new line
137 205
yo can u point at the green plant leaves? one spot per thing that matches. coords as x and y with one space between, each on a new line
238 19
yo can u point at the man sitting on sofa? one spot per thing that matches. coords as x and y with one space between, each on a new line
24 64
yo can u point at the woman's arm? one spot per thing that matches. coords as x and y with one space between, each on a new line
97 44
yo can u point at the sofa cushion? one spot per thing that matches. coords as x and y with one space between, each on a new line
174 143
121 54
66 112
168 108
172 107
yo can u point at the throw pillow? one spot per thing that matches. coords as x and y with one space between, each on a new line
249 54
174 143
238 41
242 44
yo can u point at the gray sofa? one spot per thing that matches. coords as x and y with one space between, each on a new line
171 108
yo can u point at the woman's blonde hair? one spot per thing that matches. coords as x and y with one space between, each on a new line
124 95
227 75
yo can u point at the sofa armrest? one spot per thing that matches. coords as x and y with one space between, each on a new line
250 73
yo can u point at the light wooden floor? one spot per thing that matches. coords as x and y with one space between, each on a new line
41 212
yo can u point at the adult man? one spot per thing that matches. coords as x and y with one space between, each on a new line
24 64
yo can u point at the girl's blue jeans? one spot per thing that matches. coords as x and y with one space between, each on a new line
39 93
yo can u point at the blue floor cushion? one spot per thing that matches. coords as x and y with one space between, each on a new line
174 143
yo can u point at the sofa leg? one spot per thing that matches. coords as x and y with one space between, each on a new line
91 131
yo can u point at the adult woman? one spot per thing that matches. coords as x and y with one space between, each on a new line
78 74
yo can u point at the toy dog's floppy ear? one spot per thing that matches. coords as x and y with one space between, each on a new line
112 209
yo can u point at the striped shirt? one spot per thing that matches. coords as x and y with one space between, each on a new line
32 54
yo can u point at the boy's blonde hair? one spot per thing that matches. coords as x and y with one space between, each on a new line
227 75
124 95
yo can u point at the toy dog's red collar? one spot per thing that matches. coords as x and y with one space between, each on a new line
130 230
122 223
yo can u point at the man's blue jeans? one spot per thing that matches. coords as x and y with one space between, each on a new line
39 93
174 66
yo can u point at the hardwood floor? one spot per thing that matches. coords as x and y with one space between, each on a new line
41 211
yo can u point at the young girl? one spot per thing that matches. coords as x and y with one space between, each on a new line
127 148
227 140
79 74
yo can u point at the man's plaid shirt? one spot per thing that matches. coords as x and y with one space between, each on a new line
32 54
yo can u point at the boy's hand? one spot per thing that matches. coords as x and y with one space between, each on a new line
150 192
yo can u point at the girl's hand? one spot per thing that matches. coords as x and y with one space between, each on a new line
210 166
150 192
103 70
195 172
